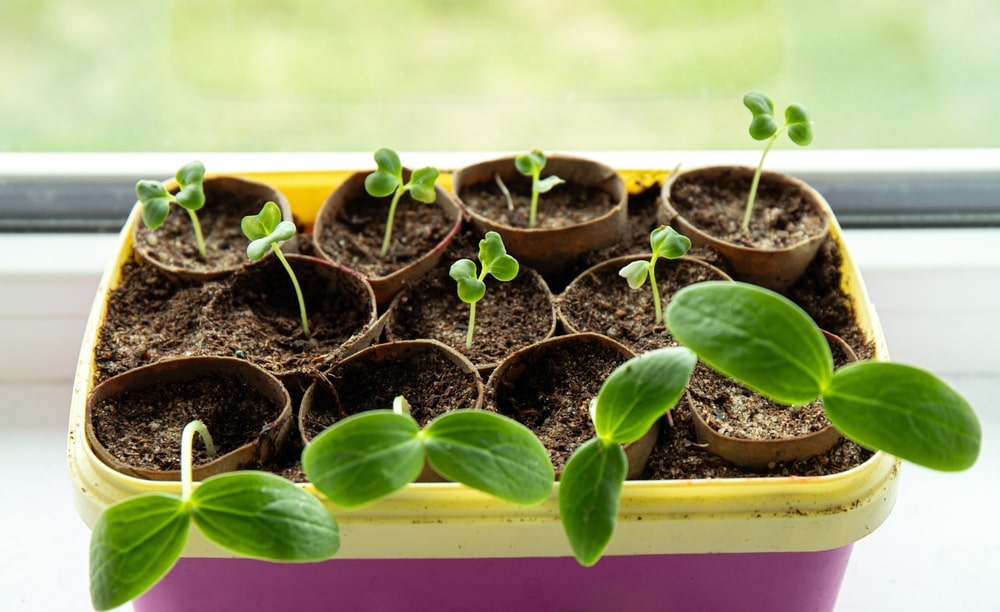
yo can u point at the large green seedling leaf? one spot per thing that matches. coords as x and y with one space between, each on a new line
904 411
135 542
639 392
491 453
364 457
262 515
754 335
589 494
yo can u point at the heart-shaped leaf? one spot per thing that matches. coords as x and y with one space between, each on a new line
470 288
546 184
494 258
265 229
530 164
380 183
388 161
666 242
635 273
491 453
763 127
589 493
799 126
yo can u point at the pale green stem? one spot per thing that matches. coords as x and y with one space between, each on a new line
198 237
298 290
187 459
472 326
504 191
756 178
534 199
656 292
388 223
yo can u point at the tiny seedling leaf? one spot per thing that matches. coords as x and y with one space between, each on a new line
546 184
667 242
641 391
388 161
364 457
265 229
758 103
264 516
754 335
470 288
192 193
799 126
381 183
904 411
589 494
635 273
530 164
494 258
422 185
491 453
135 542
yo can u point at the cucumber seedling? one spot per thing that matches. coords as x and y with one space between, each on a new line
531 165
471 286
388 179
156 200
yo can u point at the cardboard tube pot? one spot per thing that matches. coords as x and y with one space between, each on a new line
151 404
757 454
695 201
547 248
227 200
433 378
528 385
362 218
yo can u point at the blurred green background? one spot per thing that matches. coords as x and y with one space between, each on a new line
432 75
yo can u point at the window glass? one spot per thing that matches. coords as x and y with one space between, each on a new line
321 75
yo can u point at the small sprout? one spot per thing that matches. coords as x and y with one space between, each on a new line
632 399
136 541
471 288
531 165
769 344
388 179
265 230
503 189
191 197
665 242
372 454
764 126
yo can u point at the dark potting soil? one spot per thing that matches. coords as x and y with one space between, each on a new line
782 214
143 428
510 316
566 204
603 302
354 238
174 244
552 396
151 316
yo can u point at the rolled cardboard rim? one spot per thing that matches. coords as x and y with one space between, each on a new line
761 454
388 285
240 191
177 371
548 249
510 370
775 269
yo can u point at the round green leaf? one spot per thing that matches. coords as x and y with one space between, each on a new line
388 161
796 113
504 268
425 176
262 515
470 288
546 184
763 127
380 183
589 493
904 411
635 273
801 134
423 193
491 453
666 242
191 173
149 190
753 335
530 164
364 457
641 391
191 197
155 211
134 544
758 103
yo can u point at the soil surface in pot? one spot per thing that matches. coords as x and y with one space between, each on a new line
354 238
151 316
552 397
679 455
782 214
173 243
143 428
566 204
602 302
510 316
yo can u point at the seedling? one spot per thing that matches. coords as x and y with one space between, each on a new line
764 126
136 541
770 345
191 197
388 179
265 230
471 288
664 241
632 399
531 165
372 454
